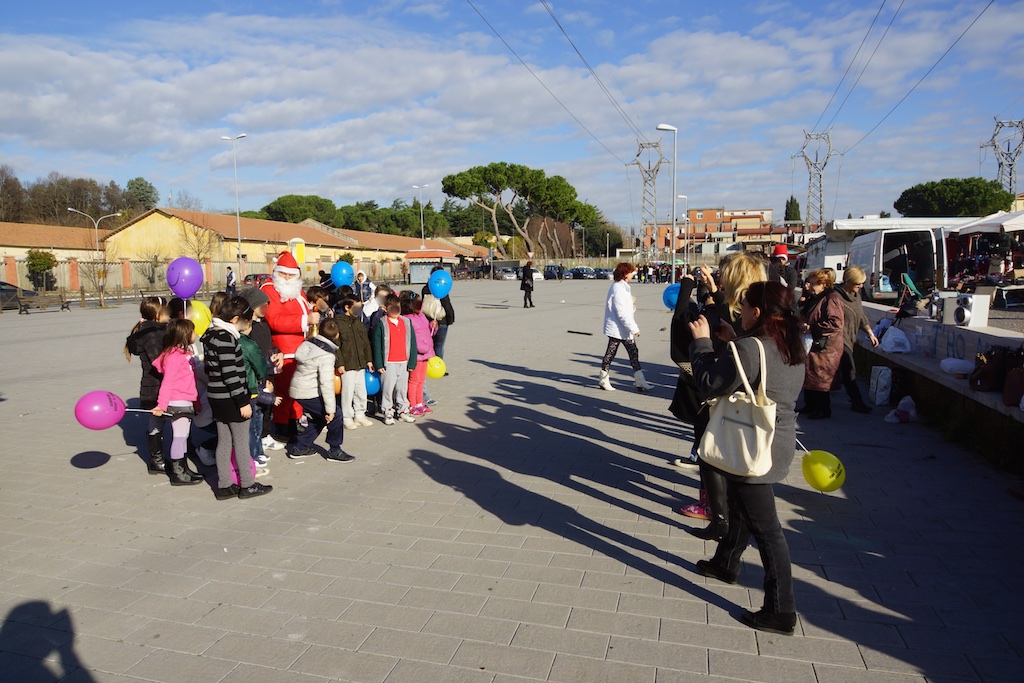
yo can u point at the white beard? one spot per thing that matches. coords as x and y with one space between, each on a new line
288 289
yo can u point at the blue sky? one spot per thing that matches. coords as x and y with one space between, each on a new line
356 100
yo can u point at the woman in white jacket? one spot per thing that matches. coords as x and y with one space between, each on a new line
621 328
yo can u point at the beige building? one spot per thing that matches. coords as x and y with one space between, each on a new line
62 241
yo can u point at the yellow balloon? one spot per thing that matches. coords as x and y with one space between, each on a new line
823 471
200 316
436 368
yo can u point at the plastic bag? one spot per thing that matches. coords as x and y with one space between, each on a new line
882 326
881 385
956 366
895 341
905 412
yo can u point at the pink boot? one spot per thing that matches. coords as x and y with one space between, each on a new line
698 510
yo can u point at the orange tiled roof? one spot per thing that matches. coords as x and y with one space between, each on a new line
48 236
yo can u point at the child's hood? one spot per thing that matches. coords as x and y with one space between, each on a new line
315 346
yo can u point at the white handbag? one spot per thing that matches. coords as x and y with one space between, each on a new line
741 429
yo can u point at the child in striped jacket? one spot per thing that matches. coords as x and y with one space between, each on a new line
228 396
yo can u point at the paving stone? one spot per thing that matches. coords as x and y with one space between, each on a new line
562 640
390 616
500 659
837 674
245 620
340 634
179 667
248 673
443 601
334 663
758 668
661 655
573 669
921 662
424 647
260 650
169 635
424 672
708 636
614 623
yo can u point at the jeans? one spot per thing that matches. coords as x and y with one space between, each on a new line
752 513
316 417
439 339
256 431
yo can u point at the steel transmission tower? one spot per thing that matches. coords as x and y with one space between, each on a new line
649 206
814 212
1007 158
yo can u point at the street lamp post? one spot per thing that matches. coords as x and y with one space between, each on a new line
238 216
423 238
95 224
675 137
686 229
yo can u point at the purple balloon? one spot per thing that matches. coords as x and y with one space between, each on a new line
99 410
184 277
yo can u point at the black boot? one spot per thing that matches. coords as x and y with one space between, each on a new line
156 453
718 503
186 466
179 474
709 568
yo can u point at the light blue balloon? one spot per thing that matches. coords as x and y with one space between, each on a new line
440 284
342 274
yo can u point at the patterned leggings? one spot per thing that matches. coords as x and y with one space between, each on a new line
613 348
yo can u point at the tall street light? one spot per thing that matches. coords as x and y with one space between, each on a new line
95 224
423 239
675 136
686 229
238 216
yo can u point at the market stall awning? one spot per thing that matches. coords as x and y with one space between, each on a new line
1000 221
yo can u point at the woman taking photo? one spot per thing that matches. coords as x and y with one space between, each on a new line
738 272
823 316
766 313
621 328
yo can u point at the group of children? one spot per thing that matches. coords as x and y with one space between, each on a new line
217 391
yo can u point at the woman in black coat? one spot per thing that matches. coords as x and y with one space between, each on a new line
766 313
527 285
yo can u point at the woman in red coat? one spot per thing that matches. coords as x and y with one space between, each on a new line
823 317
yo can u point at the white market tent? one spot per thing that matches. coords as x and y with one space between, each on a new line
870 224
1000 221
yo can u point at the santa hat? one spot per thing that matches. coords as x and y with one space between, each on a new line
781 251
286 264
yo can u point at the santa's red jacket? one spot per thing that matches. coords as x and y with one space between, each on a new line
288 321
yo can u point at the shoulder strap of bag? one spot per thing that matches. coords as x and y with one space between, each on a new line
762 389
739 369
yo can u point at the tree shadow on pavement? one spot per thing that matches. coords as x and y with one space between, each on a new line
37 645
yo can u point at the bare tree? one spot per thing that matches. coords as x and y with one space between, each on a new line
96 271
151 265
199 242
183 199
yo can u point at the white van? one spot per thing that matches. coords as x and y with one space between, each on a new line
829 251
885 255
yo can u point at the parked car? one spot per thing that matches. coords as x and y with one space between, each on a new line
9 295
603 273
256 279
506 274
537 275
582 273
550 272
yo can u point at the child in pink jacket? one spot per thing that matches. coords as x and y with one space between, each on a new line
178 396
424 330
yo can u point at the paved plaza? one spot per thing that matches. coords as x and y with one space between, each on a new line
522 532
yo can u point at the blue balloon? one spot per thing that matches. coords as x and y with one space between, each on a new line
670 297
372 383
342 274
440 284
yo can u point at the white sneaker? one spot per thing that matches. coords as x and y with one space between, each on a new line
262 472
406 417
389 420
363 421
351 424
272 444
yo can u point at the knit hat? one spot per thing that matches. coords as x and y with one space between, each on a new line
255 297
286 264
781 251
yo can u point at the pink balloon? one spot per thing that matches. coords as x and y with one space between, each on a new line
184 276
99 410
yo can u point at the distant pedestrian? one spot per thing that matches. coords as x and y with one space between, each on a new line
232 283
527 285
620 327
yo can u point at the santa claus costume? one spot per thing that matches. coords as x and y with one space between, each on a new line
288 319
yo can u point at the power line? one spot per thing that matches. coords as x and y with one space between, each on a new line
848 67
921 80
611 98
543 85
865 67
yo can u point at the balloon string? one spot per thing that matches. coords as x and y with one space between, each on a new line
802 446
